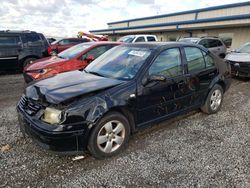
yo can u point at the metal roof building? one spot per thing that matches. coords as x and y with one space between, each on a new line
230 22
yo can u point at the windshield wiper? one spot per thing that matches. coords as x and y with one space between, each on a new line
60 57
95 73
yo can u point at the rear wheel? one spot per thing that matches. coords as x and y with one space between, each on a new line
214 100
109 136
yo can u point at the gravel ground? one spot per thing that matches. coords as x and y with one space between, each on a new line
194 150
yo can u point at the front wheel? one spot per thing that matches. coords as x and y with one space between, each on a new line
110 136
214 100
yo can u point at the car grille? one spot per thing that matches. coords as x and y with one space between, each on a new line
28 106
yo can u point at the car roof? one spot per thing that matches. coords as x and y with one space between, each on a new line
97 43
157 45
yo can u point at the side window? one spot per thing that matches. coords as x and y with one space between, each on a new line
9 41
97 51
208 59
195 59
219 43
64 42
32 37
151 39
212 43
204 43
140 39
168 63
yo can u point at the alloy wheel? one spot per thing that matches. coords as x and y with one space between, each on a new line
216 99
111 136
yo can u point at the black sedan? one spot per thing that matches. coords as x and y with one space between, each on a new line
129 87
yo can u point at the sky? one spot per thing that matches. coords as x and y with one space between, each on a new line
64 18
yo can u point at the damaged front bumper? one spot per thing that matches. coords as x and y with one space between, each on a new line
60 141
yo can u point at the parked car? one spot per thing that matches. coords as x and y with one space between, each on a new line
74 58
138 38
214 44
240 61
129 87
51 40
19 48
63 44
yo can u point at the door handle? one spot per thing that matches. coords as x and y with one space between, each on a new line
211 74
181 83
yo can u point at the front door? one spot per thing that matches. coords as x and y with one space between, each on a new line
158 100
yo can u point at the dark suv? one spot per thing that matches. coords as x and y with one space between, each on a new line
19 48
127 88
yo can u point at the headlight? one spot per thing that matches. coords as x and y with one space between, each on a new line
44 71
52 116
41 71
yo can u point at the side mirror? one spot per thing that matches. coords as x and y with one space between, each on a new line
154 78
89 58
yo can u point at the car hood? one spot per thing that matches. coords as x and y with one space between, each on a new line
69 85
45 63
238 57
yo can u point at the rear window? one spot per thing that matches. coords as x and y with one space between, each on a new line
151 39
10 40
140 39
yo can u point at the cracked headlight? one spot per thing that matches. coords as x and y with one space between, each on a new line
52 115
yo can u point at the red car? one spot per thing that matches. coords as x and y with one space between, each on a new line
74 58
63 44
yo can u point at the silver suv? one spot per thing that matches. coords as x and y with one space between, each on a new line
214 44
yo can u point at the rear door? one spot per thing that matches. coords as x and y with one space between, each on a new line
34 44
10 46
201 71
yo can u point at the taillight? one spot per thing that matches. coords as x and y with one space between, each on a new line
49 50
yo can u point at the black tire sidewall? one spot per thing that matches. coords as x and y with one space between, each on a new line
92 142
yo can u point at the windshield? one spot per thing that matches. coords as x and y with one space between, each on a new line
190 40
121 62
244 49
126 39
73 51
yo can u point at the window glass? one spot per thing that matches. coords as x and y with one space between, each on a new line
204 43
194 58
8 40
151 39
219 43
212 43
226 38
32 37
140 39
64 42
209 60
97 51
168 63
244 49
121 62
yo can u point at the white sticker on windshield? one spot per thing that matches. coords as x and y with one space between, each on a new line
137 53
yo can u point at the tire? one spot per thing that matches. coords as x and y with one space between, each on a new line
27 62
113 133
214 100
